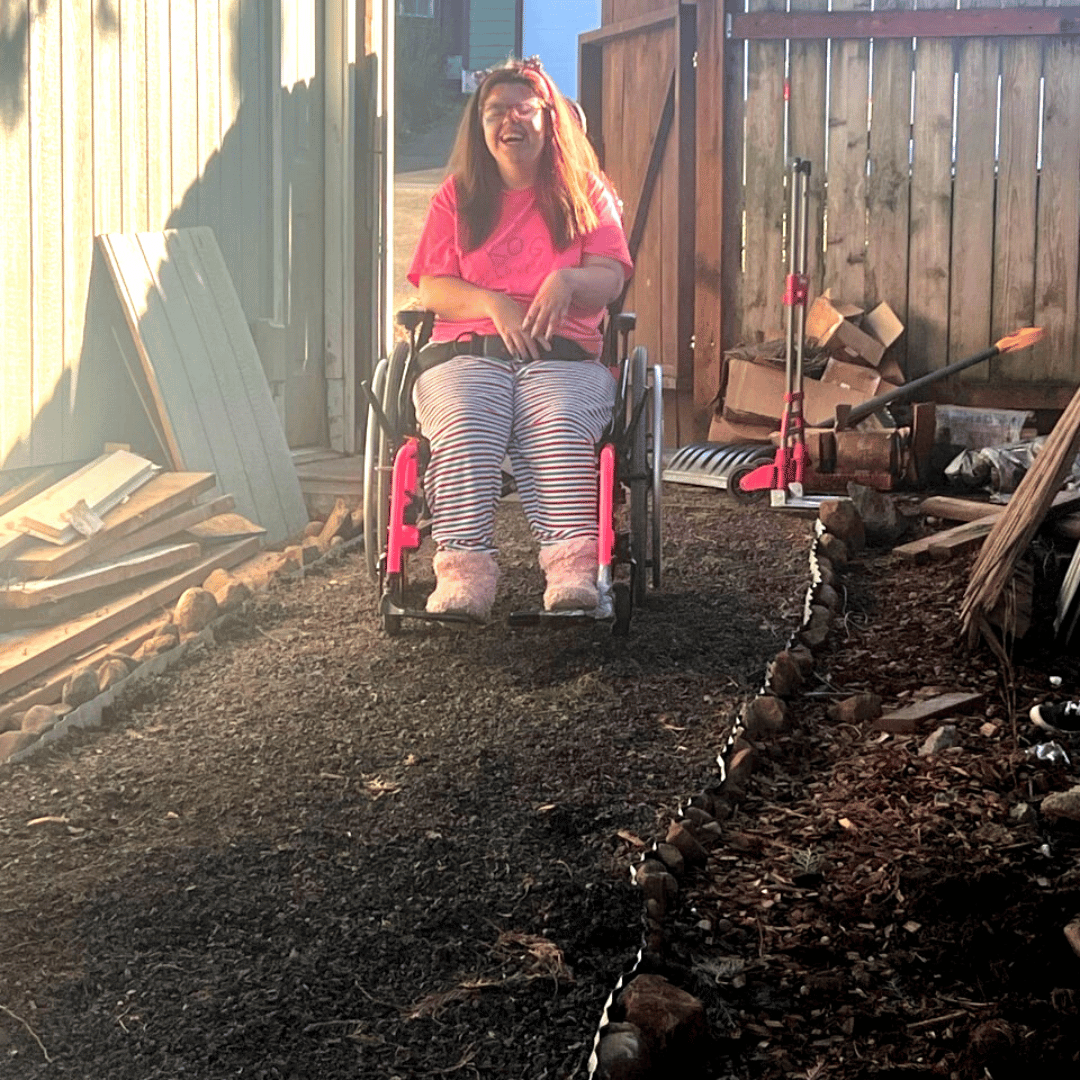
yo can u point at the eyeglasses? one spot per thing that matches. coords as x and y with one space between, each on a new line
524 111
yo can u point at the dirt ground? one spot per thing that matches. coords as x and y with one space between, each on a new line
314 851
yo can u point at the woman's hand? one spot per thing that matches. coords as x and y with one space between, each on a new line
550 306
505 313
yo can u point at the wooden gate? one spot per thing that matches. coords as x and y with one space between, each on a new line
637 89
945 147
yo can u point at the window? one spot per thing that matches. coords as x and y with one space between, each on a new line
417 9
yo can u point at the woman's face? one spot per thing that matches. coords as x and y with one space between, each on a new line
512 116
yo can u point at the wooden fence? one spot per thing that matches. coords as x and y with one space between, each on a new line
945 148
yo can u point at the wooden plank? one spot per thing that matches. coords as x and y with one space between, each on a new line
845 242
1058 222
129 275
32 594
931 193
37 652
963 538
709 189
918 551
195 313
155 499
766 201
51 691
907 719
16 371
233 195
1015 209
205 373
224 527
806 126
271 436
954 509
970 302
889 183
46 217
683 240
31 486
100 487
77 100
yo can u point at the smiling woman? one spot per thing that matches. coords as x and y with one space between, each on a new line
520 254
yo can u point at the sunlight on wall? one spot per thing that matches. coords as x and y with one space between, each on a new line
298 60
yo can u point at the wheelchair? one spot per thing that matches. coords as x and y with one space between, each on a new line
629 473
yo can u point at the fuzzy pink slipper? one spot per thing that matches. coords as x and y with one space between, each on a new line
571 570
464 583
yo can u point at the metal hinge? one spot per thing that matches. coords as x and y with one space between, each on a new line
695 59
727 24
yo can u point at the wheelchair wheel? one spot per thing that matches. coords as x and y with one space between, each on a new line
657 451
379 453
372 540
640 477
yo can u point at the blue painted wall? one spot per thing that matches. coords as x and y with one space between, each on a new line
551 32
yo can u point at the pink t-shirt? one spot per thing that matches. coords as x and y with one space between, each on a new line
516 257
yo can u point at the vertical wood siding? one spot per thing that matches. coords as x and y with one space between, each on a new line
143 115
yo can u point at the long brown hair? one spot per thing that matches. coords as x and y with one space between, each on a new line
562 176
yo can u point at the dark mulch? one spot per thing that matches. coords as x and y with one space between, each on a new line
314 851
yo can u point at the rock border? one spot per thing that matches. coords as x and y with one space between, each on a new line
662 1021
291 564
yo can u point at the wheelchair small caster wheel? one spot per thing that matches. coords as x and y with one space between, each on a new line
623 609
392 625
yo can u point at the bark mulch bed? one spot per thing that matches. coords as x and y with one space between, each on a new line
315 851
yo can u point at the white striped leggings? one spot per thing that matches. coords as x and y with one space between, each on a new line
548 415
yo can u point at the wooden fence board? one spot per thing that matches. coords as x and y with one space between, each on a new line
889 183
1058 223
931 223
806 128
845 245
135 120
184 101
1014 240
971 269
766 203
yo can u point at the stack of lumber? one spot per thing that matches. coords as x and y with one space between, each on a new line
1013 529
89 554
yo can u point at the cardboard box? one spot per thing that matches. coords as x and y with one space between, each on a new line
843 330
883 324
722 430
858 376
755 395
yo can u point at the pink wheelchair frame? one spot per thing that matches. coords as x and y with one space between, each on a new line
628 470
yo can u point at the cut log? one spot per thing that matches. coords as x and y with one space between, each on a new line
32 654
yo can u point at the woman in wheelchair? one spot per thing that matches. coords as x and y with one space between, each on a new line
521 252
